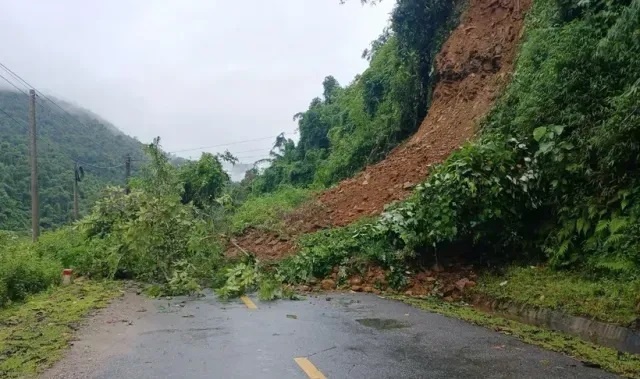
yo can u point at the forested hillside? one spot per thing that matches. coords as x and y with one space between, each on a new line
61 140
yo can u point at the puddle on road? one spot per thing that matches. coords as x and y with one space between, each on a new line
382 323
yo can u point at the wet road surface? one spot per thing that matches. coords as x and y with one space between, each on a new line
348 336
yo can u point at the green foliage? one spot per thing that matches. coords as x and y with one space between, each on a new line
266 212
203 181
60 139
22 270
183 280
240 278
150 234
574 293
145 237
349 248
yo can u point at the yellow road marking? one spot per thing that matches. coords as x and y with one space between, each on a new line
309 369
250 304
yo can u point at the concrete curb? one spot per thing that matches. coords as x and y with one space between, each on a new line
601 333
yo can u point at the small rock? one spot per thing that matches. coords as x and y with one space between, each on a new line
313 281
328 299
409 293
365 182
305 288
292 317
328 284
138 292
130 323
355 281
408 185
356 288
430 279
368 289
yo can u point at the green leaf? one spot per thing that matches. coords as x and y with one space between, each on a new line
558 129
616 224
624 203
539 132
545 147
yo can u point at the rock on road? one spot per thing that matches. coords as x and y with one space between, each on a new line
336 335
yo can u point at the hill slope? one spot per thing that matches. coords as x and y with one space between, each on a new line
61 140
473 66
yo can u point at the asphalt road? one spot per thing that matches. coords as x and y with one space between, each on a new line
348 336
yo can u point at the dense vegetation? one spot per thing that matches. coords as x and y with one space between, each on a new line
61 140
352 126
161 232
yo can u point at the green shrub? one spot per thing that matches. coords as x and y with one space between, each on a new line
67 245
24 272
349 248
267 211
146 236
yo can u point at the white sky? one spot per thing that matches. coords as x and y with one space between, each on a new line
195 72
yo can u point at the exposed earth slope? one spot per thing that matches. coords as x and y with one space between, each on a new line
473 66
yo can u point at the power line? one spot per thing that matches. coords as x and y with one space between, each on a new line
11 117
24 82
228 144
99 167
222 144
40 94
15 76
12 84
250 151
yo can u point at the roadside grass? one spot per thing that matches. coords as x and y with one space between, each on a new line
598 356
35 333
606 300
266 212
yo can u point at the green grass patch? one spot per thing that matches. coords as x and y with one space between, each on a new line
266 212
609 359
34 334
604 299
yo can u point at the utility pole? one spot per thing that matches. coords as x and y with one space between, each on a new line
76 177
35 207
127 173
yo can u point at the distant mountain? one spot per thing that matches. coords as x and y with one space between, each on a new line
62 138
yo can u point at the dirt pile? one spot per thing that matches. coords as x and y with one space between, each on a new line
451 283
473 67
274 244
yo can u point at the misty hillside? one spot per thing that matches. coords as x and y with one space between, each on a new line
62 138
